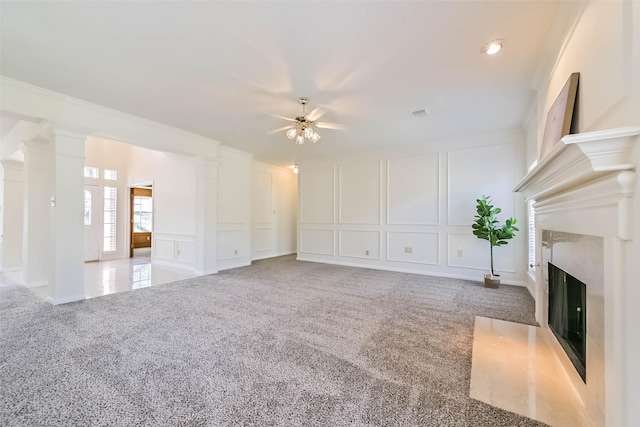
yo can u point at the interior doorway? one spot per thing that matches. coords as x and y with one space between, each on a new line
141 220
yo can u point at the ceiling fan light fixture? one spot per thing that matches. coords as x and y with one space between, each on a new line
292 133
304 125
308 132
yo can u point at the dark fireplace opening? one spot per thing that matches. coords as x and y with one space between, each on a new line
568 315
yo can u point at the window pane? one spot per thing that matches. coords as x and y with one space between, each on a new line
110 174
90 172
532 233
142 214
87 207
110 197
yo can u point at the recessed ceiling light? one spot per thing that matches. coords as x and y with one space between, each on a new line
492 47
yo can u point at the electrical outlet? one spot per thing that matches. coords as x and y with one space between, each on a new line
235 252
408 250
459 252
366 252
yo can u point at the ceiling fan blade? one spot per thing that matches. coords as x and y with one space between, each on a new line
282 117
278 130
315 114
335 126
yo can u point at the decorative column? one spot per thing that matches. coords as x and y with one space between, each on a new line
207 215
11 213
66 277
37 192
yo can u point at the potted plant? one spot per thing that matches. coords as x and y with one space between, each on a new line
486 227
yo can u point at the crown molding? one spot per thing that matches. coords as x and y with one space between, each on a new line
60 109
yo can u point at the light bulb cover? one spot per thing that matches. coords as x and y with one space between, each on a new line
295 169
308 132
300 140
291 133
315 137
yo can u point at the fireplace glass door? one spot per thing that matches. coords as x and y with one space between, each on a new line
568 315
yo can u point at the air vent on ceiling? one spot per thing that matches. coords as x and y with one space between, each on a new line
422 113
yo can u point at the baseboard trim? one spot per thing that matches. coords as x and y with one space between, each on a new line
37 284
272 255
478 278
233 263
65 300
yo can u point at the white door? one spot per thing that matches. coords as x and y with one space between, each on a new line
92 222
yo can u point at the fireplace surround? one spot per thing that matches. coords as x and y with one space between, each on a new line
584 196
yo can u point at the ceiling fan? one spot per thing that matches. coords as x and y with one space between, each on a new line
304 126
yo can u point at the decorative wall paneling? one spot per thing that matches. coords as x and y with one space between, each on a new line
412 210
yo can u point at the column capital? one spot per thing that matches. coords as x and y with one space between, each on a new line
12 164
36 144
50 129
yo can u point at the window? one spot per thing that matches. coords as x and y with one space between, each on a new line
110 174
142 213
109 235
87 207
91 172
532 233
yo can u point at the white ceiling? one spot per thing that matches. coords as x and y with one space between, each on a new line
216 68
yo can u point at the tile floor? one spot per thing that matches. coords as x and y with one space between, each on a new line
108 277
515 368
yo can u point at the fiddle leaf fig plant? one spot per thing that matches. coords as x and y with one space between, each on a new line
486 226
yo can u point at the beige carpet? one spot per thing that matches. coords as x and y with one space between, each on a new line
280 342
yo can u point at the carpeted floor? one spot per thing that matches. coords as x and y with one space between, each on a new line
280 342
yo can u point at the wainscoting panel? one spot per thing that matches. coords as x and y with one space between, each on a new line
186 252
175 250
263 239
317 195
164 249
473 172
263 197
412 190
360 244
320 242
233 244
234 188
467 251
360 193
414 247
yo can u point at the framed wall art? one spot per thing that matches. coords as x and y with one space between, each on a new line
560 116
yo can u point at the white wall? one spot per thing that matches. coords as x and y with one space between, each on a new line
273 211
12 217
602 42
234 208
411 209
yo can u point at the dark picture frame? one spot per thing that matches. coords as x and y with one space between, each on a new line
560 116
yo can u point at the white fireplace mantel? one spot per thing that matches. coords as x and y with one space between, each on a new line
585 170
584 215
580 158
